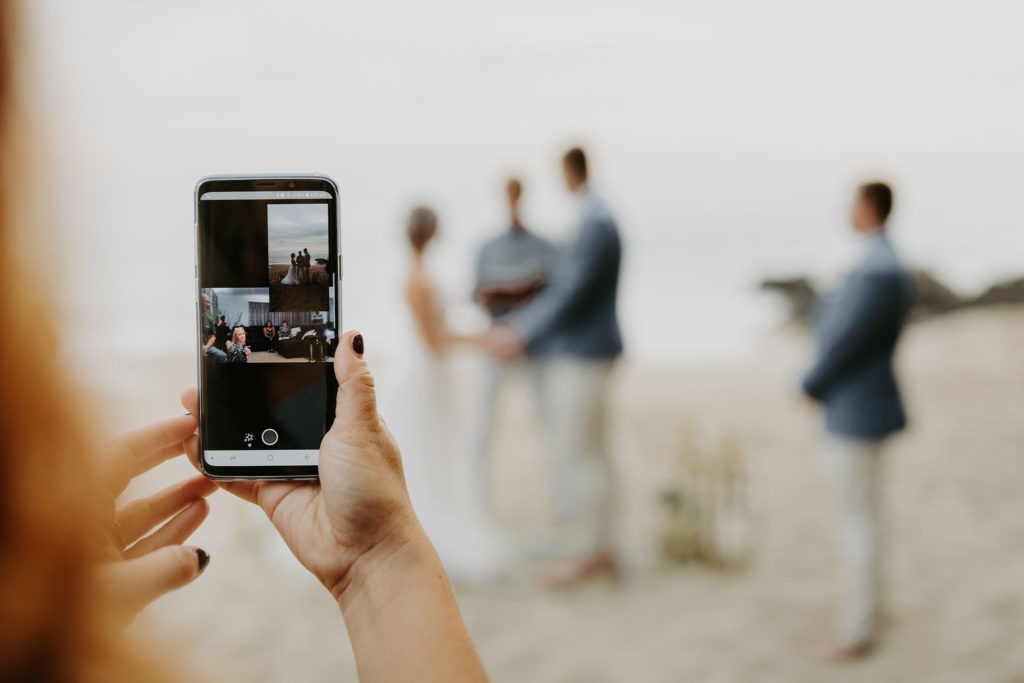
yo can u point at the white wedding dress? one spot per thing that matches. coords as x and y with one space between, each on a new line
291 278
431 420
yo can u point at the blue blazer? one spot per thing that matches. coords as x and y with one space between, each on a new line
857 333
575 313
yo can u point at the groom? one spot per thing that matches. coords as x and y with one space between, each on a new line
853 381
572 328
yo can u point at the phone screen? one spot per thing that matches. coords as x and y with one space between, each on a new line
268 325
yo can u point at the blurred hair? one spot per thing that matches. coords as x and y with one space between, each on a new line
422 226
879 195
514 186
576 159
53 626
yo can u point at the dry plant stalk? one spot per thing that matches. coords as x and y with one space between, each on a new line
706 515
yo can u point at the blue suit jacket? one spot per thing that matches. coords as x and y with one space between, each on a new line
575 313
857 334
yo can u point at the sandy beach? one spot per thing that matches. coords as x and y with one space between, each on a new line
317 273
953 499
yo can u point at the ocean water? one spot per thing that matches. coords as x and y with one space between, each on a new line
727 140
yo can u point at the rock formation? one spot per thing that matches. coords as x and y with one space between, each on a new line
933 297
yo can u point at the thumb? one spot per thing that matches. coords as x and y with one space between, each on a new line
357 397
137 582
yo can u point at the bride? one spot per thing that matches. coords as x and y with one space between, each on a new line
426 420
291 278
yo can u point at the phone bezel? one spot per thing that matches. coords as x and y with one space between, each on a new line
259 183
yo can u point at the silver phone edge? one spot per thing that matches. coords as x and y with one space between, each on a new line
195 261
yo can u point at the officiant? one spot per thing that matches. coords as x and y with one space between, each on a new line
511 268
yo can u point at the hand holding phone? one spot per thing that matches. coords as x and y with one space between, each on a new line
360 509
355 530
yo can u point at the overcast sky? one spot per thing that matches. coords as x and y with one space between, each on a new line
727 135
292 227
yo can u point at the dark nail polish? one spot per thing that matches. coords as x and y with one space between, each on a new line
357 344
204 558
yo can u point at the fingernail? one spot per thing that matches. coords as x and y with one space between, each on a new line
357 344
203 557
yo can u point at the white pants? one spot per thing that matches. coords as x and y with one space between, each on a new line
575 398
855 470
496 376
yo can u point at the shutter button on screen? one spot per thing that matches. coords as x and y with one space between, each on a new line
269 436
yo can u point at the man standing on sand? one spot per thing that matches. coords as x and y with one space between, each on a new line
854 382
305 263
572 328
511 269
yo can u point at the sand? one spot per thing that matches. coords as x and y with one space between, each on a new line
317 273
954 568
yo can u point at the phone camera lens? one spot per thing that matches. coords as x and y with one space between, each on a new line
291 184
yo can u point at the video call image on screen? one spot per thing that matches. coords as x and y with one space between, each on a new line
248 327
267 330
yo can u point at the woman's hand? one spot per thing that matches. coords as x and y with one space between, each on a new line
360 508
141 568
503 342
356 531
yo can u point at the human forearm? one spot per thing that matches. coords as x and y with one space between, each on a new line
402 617
356 532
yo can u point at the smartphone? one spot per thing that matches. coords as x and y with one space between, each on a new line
268 292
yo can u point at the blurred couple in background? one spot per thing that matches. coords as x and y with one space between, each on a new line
554 318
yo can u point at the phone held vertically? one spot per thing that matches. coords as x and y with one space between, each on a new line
268 293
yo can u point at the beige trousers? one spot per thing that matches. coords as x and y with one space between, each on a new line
855 470
575 414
